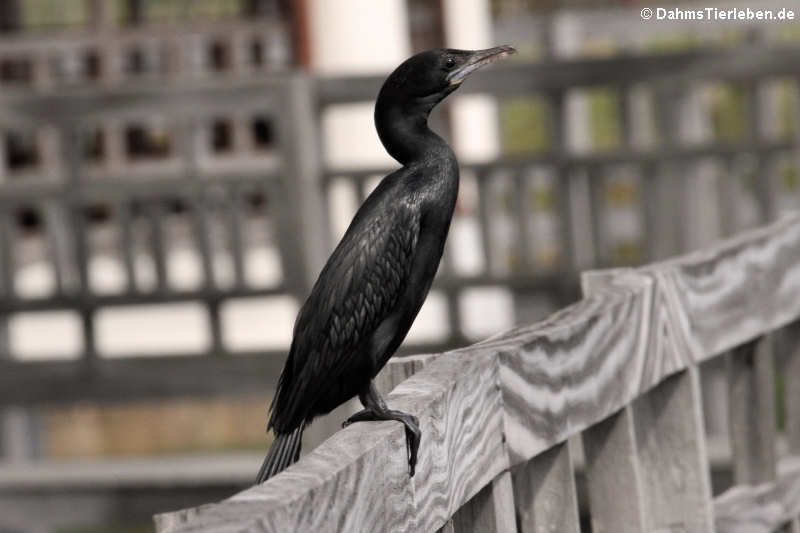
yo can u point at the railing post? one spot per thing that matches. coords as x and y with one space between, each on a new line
489 511
544 493
612 468
791 373
654 453
299 137
671 448
751 388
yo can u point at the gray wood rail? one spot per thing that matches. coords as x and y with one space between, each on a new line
619 368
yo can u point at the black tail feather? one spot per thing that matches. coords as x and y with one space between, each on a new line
284 451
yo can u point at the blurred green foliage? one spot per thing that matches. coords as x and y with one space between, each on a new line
604 118
525 125
627 252
728 112
56 13
175 10
543 198
50 13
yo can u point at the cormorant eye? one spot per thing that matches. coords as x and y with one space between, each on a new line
450 62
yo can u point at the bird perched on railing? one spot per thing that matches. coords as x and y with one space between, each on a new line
373 285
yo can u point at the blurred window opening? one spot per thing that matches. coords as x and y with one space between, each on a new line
146 142
219 56
263 133
10 15
28 220
176 206
97 213
94 145
221 136
91 65
261 8
256 202
22 151
135 62
16 70
133 12
257 52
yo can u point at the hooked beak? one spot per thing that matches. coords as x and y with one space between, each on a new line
478 59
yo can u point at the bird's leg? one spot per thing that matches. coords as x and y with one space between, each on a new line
375 409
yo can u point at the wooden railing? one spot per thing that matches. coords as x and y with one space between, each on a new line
619 369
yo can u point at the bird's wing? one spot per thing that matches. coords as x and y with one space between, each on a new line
358 288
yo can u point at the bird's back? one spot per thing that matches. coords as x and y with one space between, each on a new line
359 287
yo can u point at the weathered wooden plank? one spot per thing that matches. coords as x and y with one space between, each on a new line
232 204
459 407
299 142
763 508
534 387
765 194
8 245
544 493
583 363
730 293
484 221
751 400
613 468
158 246
791 376
398 369
489 511
124 222
714 386
671 449
57 239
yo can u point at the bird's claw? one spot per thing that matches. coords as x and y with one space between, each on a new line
413 436
411 423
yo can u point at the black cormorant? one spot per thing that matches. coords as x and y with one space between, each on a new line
374 283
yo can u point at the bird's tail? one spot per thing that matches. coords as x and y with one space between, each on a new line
284 451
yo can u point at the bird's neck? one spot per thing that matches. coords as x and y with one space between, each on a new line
404 132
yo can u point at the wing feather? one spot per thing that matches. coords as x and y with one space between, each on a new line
360 286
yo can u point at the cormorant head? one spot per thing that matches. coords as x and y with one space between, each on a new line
432 75
415 87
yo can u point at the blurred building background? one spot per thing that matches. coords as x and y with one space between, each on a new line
173 173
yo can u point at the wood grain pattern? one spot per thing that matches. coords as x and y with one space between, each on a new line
671 449
399 369
761 508
582 364
751 391
490 511
544 493
791 374
497 404
458 403
613 468
733 292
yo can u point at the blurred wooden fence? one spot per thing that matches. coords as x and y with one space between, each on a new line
619 369
282 190
288 191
